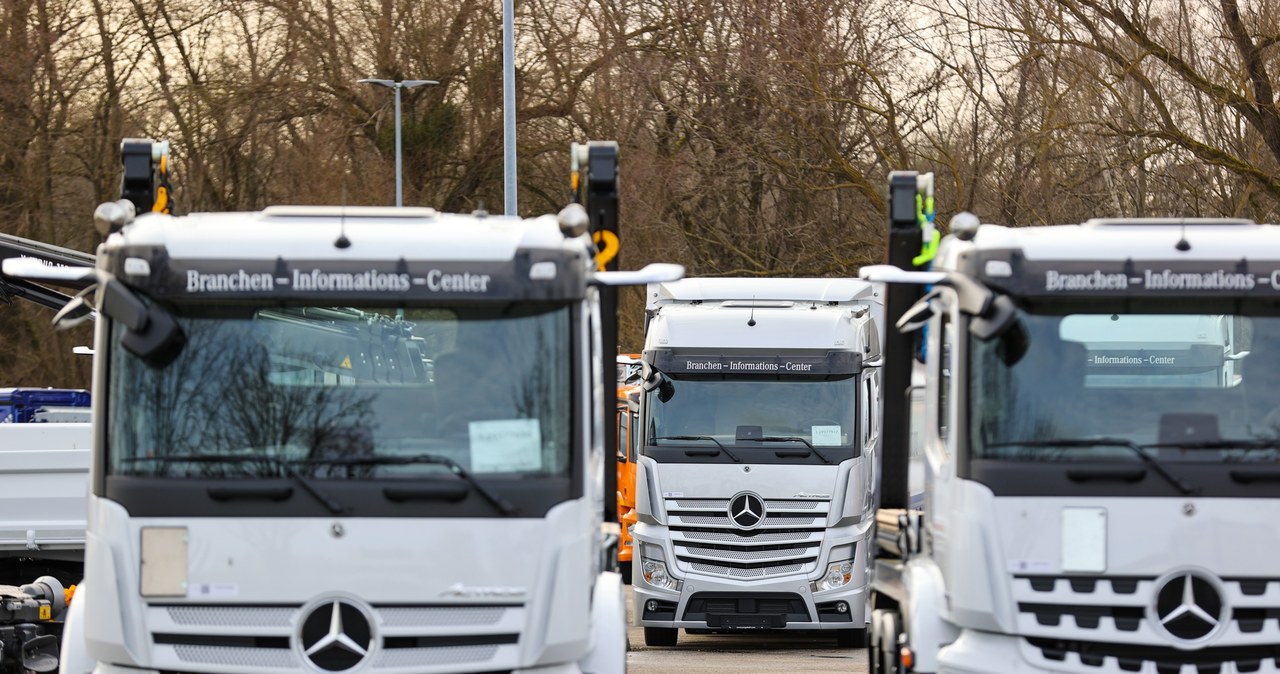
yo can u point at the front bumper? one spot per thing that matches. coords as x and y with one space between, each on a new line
977 652
563 668
785 603
989 653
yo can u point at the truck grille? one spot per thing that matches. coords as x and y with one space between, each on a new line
192 637
1083 656
787 541
1090 621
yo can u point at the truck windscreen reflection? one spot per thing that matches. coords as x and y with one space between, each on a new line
1181 387
732 411
304 386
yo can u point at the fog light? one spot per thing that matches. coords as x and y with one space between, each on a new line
842 607
651 606
837 575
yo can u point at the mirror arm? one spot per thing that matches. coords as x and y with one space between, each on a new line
123 306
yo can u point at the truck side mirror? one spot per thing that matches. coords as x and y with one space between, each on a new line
151 333
915 318
653 379
74 312
1000 315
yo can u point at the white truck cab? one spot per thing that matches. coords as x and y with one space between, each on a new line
759 432
1100 451
347 440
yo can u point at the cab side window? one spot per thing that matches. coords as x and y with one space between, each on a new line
943 342
865 404
624 433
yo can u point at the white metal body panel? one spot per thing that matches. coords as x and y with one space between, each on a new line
384 562
44 479
375 234
760 289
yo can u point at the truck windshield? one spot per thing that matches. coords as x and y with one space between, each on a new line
341 393
742 412
1177 387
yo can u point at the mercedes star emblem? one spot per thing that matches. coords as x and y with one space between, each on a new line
746 510
336 636
1189 607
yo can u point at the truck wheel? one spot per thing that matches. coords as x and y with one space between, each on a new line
874 663
624 568
890 655
661 636
851 638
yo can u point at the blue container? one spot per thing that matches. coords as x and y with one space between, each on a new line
19 405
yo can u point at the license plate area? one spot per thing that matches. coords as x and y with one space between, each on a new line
746 622
746 611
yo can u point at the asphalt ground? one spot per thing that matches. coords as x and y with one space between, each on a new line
754 653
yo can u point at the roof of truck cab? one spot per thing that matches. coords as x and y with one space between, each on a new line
1127 238
310 232
1149 257
800 325
762 289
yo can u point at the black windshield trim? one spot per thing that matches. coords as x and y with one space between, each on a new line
754 454
1053 479
183 497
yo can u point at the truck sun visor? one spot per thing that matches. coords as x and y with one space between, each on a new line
833 363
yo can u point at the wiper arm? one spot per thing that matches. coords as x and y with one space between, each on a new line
1247 444
1107 442
287 466
454 467
1227 443
795 438
719 444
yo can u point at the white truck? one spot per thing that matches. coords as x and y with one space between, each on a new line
1101 450
759 433
44 481
346 440
44 470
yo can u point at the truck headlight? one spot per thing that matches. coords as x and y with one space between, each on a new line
655 574
837 575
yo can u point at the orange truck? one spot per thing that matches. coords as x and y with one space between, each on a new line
628 415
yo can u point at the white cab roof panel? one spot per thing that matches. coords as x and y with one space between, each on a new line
761 289
308 232
1137 240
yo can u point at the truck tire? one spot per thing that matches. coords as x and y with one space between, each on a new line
624 568
874 663
890 654
851 638
661 636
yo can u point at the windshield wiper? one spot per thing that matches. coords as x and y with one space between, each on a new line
1107 442
1247 444
438 459
794 438
719 444
1227 443
286 466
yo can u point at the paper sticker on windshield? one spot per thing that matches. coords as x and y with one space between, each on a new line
826 436
506 445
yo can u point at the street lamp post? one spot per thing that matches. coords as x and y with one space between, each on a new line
397 85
